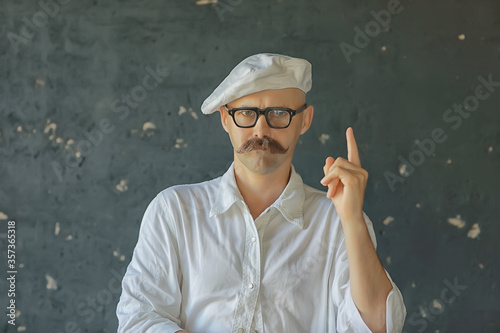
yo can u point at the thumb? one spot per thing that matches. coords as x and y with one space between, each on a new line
328 163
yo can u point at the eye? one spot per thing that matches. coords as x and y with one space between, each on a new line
246 113
279 113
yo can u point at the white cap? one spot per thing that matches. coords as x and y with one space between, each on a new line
260 72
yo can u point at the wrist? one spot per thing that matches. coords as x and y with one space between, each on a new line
354 225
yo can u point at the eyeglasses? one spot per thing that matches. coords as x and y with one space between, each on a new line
276 117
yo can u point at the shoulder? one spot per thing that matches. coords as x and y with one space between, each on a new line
316 197
188 191
171 205
185 194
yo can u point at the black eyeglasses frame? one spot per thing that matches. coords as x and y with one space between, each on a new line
265 112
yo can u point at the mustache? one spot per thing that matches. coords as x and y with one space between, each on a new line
266 143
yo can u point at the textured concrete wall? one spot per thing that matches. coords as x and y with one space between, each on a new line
100 110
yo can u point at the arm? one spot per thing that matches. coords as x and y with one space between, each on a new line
151 296
369 283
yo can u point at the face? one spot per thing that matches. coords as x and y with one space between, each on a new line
260 160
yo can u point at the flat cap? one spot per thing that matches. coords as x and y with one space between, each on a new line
260 72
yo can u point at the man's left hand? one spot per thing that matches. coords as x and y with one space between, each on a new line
346 182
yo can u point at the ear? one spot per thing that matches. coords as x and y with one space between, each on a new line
307 116
224 116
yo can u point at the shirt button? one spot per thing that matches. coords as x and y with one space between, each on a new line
250 286
240 330
253 239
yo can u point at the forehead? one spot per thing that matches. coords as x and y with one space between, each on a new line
289 97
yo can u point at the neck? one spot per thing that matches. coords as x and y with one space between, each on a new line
261 190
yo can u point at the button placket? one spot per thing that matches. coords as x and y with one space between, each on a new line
249 292
262 222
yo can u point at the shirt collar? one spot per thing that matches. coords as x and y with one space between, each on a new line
290 203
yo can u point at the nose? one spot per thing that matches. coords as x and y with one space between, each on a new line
261 128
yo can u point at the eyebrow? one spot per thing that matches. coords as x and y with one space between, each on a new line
252 106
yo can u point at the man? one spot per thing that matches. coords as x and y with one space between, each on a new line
256 250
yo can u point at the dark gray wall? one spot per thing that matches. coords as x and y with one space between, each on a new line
68 79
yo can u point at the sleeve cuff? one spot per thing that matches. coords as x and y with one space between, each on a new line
395 312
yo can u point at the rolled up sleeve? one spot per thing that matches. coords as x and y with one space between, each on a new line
348 317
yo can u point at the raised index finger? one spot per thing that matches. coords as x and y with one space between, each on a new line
352 148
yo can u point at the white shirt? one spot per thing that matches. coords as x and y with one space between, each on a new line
203 264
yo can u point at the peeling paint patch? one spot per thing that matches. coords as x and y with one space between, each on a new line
122 186
323 138
457 222
117 254
50 127
21 328
387 220
69 143
437 305
148 126
474 231
59 140
148 129
39 83
403 170
461 37
193 114
179 143
18 313
205 2
69 237
51 283
57 229
181 110
3 216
